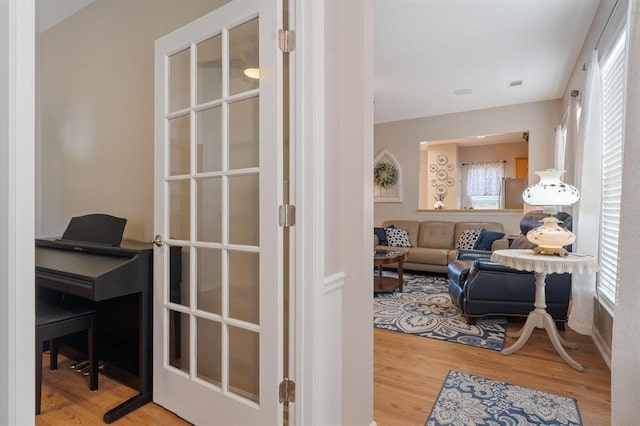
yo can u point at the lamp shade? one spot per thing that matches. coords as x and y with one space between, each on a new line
550 191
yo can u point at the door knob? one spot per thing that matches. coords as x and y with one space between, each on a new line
158 241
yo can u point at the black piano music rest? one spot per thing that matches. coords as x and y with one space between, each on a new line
117 282
95 228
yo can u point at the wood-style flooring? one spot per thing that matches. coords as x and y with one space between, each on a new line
408 374
410 370
67 400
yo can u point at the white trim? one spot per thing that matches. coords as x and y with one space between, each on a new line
602 346
308 143
333 283
18 389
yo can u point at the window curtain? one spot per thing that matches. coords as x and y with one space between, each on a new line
586 176
560 147
483 179
571 137
625 368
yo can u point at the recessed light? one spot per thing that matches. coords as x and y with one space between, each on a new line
515 83
481 137
252 73
463 92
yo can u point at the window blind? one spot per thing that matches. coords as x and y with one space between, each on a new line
613 82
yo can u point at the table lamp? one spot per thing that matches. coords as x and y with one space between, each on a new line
550 193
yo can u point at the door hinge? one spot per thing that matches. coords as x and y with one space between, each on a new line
287 391
286 40
287 215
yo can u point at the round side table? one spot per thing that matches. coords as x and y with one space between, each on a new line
541 265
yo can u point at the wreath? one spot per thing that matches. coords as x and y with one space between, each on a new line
385 174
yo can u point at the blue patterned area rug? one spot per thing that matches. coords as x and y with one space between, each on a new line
466 400
425 309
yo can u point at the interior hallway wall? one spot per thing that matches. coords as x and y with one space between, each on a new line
356 213
95 74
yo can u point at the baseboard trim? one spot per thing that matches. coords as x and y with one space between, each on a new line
334 282
603 348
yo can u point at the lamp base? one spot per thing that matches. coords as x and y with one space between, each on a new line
550 238
551 251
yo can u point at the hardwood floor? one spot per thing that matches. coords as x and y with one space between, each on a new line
408 374
410 370
67 400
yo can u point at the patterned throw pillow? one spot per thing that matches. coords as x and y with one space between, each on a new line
397 237
468 239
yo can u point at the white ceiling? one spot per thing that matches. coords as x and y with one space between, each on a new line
425 50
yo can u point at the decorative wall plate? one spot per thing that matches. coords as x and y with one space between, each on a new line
450 167
434 182
442 159
450 181
442 174
441 189
433 167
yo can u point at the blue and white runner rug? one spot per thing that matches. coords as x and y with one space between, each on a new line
425 309
467 400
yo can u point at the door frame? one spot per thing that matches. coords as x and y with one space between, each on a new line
17 194
324 356
307 151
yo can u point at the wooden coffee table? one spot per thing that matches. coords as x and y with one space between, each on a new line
383 284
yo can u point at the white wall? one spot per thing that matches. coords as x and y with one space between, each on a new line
95 78
402 139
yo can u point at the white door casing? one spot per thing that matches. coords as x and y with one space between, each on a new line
218 184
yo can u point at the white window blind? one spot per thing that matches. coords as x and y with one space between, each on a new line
613 82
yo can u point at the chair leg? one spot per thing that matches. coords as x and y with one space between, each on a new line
560 325
38 372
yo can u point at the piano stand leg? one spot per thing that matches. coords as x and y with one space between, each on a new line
126 407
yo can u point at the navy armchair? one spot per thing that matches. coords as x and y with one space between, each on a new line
480 287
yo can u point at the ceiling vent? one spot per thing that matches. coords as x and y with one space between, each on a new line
515 83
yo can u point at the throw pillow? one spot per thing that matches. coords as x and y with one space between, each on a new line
468 238
382 236
397 237
486 239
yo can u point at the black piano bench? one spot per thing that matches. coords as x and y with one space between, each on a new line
53 321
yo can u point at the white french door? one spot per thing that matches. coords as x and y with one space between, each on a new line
218 270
